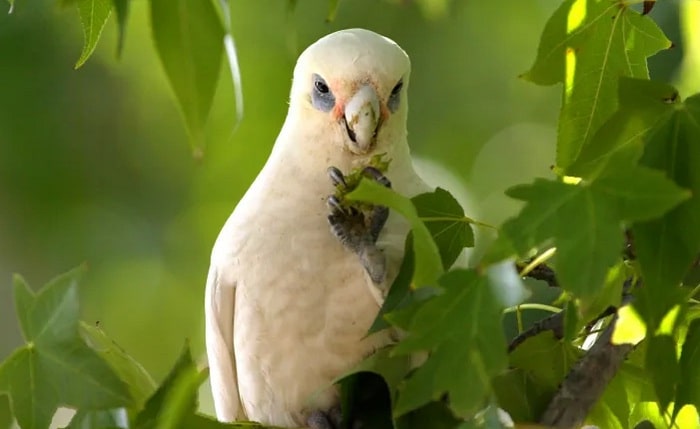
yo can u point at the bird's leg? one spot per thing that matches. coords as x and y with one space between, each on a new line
359 231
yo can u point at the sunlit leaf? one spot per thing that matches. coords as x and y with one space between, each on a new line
189 39
688 391
428 265
93 17
662 364
587 45
667 247
620 140
55 367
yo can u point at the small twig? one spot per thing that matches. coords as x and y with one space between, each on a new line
540 272
554 323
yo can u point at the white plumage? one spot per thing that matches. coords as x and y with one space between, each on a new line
287 305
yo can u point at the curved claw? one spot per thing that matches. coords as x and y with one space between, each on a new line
377 175
336 176
335 204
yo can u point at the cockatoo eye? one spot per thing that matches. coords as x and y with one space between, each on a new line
395 97
397 88
321 96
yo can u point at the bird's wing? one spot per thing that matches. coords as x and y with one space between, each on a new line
218 309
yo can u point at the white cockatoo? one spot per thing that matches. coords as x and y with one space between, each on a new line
289 299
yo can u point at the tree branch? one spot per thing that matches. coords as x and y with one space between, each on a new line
586 382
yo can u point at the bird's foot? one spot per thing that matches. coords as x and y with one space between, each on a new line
333 419
359 230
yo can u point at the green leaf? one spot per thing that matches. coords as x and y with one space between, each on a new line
174 404
114 418
587 45
640 193
662 364
428 264
93 17
461 361
189 39
184 367
399 295
667 247
332 10
446 222
433 415
5 414
140 383
585 221
55 366
642 103
688 391
121 7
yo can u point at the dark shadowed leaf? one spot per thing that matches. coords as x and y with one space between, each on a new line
446 222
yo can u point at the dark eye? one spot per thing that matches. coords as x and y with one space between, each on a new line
321 86
395 97
321 96
397 88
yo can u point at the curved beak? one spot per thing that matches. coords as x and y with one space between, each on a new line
362 119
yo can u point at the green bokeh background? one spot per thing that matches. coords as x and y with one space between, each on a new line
95 165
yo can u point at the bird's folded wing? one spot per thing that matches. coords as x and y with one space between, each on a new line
218 310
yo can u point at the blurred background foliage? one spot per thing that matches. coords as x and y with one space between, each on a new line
95 165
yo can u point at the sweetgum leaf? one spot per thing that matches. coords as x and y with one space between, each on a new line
461 361
55 367
587 45
666 247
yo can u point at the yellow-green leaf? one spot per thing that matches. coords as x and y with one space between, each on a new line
93 16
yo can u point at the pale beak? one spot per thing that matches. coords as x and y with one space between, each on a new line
362 119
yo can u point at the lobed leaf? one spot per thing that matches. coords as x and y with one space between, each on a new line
462 360
55 367
587 45
666 247
428 264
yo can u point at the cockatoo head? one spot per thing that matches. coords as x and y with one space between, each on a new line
351 86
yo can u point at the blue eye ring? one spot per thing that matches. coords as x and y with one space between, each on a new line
321 96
